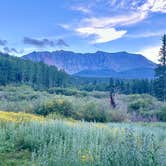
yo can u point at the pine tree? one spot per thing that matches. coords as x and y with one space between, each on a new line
160 81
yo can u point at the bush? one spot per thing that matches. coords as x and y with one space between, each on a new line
137 106
88 111
94 112
142 110
118 116
161 114
60 106
66 92
141 104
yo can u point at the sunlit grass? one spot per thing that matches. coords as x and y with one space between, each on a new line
18 117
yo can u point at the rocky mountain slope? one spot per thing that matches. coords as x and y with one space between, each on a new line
99 64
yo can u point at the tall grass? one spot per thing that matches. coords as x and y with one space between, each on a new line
63 143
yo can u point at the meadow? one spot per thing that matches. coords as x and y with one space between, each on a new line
43 142
66 127
81 105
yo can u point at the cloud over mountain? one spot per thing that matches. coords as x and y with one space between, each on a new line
45 42
12 50
61 43
38 42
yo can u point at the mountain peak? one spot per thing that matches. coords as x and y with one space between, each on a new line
77 62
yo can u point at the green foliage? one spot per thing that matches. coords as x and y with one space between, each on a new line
38 75
93 112
94 106
139 105
20 98
122 86
17 158
145 107
118 116
66 143
66 92
160 81
161 114
60 106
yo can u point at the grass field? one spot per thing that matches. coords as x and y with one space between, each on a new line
45 142
39 128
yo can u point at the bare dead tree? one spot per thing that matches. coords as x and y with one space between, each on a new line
112 100
114 90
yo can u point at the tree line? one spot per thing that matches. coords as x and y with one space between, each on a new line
124 86
15 70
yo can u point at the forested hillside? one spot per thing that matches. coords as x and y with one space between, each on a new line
16 70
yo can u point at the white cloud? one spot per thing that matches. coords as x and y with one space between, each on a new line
103 28
137 14
82 9
65 26
146 34
159 6
114 21
154 6
102 35
144 5
151 53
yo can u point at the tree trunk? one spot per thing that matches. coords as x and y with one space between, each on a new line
112 101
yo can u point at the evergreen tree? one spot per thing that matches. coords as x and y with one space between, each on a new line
160 81
15 70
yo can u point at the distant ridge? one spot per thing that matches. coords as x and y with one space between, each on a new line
99 64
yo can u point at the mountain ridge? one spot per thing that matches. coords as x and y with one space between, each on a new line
74 63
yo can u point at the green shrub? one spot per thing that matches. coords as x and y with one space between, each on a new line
161 114
60 106
93 112
118 116
137 106
66 92
141 104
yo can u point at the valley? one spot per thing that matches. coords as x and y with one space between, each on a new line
83 83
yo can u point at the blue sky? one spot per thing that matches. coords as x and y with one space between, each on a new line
82 26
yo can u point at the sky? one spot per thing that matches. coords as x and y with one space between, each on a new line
134 26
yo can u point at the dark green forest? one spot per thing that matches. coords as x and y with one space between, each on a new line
15 70
124 86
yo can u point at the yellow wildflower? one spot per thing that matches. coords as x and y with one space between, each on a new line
18 117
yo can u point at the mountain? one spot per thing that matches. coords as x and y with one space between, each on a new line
99 64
